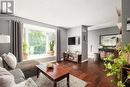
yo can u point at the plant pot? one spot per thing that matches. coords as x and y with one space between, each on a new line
51 52
25 56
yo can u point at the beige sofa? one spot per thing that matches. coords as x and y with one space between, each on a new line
19 77
15 78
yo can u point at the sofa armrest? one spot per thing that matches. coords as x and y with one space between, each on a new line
18 75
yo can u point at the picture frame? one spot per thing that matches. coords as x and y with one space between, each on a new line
109 40
128 24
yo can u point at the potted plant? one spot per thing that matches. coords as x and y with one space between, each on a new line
51 45
127 52
113 66
25 50
114 69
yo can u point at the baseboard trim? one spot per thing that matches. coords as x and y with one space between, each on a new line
84 60
62 59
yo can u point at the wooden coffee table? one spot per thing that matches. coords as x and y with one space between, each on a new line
56 74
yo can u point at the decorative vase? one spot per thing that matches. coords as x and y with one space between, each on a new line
51 53
50 65
25 56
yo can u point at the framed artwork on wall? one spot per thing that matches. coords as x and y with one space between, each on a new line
78 40
128 24
109 40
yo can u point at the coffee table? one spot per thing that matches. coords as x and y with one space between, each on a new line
56 74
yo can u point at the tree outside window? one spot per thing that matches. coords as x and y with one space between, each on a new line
37 42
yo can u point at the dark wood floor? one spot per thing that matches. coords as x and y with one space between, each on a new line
91 72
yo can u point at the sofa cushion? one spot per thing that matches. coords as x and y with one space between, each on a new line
6 78
28 67
27 83
10 59
18 75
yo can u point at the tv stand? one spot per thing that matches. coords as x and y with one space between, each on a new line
72 57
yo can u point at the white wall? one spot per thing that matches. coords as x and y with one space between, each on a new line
93 39
74 32
82 47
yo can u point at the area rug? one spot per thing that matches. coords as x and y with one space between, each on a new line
43 81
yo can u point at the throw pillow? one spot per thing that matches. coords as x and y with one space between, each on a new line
6 78
10 59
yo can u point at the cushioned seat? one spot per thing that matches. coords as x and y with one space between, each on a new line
28 67
27 83
18 75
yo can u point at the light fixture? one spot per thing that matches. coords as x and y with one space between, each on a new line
4 38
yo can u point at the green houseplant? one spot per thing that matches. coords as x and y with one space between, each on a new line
25 50
51 45
113 66
127 52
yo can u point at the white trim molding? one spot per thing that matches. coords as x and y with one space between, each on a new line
84 60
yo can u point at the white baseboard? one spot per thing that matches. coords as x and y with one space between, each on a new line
62 59
81 61
84 60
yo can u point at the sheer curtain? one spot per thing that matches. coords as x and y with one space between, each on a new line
16 39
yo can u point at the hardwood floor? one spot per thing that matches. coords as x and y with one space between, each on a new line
91 72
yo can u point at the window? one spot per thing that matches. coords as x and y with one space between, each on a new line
36 41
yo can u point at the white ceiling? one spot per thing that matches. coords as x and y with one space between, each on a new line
68 13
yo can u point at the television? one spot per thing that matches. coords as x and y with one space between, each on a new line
71 40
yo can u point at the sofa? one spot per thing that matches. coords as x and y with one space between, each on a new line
18 75
15 78
28 67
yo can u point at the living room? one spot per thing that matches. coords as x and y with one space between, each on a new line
64 43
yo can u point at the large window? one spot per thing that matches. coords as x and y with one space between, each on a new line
37 41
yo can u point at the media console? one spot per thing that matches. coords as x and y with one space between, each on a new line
72 57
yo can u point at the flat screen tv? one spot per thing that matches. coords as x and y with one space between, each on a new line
71 40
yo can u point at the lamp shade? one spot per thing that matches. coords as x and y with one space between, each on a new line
4 38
